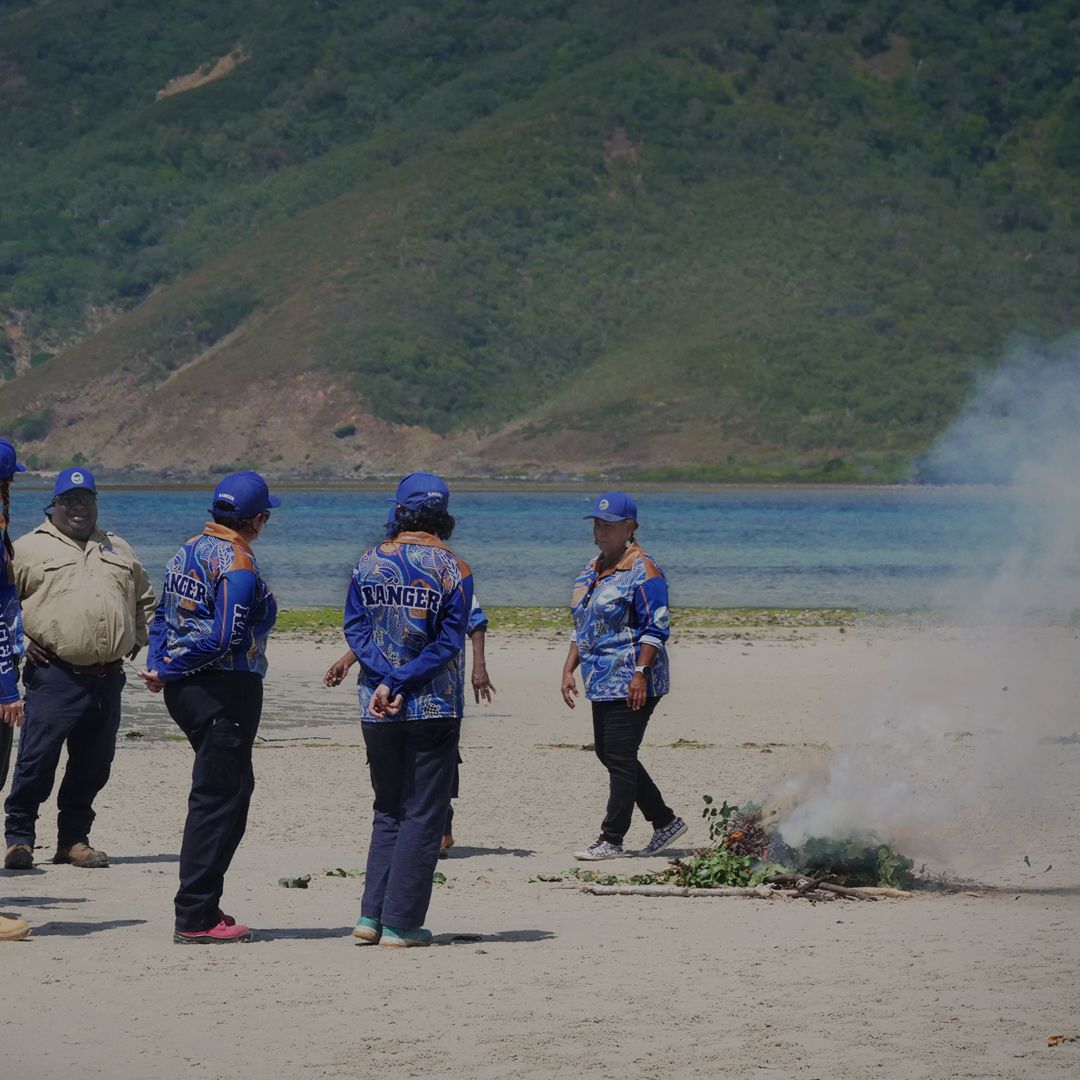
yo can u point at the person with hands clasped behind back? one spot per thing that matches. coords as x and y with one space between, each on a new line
208 653
483 687
621 627
406 615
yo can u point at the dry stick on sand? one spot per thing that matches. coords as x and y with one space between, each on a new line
762 892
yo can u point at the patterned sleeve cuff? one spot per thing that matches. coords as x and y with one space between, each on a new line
655 642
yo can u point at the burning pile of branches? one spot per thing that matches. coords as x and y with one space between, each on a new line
748 858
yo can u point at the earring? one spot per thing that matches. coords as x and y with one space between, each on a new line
628 542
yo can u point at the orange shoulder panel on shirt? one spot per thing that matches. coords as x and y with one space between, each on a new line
242 559
651 569
463 567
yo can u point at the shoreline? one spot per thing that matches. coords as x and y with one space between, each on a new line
41 479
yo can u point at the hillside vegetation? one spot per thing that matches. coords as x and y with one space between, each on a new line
685 239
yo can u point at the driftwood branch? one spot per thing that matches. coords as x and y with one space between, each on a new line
865 891
762 892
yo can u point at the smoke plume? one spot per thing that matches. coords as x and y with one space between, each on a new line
969 724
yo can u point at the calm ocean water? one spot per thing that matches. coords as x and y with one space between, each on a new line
887 548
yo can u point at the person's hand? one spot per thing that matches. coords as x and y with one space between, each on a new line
382 705
36 654
336 672
638 691
153 683
482 685
569 688
11 714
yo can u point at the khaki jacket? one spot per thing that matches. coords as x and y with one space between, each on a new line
87 605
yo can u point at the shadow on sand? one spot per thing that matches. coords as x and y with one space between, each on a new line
457 852
119 860
502 937
299 933
82 929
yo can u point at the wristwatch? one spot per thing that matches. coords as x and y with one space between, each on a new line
643 669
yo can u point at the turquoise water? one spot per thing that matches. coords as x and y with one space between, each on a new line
889 548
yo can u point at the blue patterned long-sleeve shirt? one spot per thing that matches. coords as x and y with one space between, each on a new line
615 613
11 635
478 619
406 616
215 613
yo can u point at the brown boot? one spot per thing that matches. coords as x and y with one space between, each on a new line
13 929
19 857
81 854
445 846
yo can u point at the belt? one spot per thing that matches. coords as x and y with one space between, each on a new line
96 670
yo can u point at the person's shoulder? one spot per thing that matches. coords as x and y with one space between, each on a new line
39 539
462 566
649 567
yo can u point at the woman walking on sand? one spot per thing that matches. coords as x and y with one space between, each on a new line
406 616
621 626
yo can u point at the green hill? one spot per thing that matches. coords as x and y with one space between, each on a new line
716 241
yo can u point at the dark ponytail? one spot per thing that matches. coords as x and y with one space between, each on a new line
5 496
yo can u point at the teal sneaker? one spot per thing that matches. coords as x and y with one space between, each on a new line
405 939
368 930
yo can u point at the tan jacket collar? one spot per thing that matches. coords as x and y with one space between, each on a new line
47 527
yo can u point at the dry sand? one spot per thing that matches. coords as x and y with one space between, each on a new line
538 980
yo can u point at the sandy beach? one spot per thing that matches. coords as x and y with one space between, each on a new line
531 979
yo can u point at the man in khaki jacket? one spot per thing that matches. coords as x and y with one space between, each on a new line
86 604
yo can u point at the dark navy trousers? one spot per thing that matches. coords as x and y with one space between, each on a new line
412 764
219 712
62 707
617 734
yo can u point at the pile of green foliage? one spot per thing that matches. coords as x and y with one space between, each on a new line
851 862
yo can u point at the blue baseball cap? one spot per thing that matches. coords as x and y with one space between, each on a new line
243 495
614 506
77 479
422 489
9 466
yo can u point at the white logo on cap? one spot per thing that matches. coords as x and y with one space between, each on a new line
227 497
77 478
603 504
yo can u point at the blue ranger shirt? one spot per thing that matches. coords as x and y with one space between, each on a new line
11 637
615 613
215 613
406 616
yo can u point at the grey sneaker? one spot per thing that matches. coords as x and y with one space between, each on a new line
665 836
600 849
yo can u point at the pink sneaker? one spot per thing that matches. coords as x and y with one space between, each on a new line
222 934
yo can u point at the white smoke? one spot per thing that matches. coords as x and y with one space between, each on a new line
961 730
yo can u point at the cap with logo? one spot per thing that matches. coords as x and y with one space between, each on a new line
9 466
77 479
243 495
614 506
421 490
